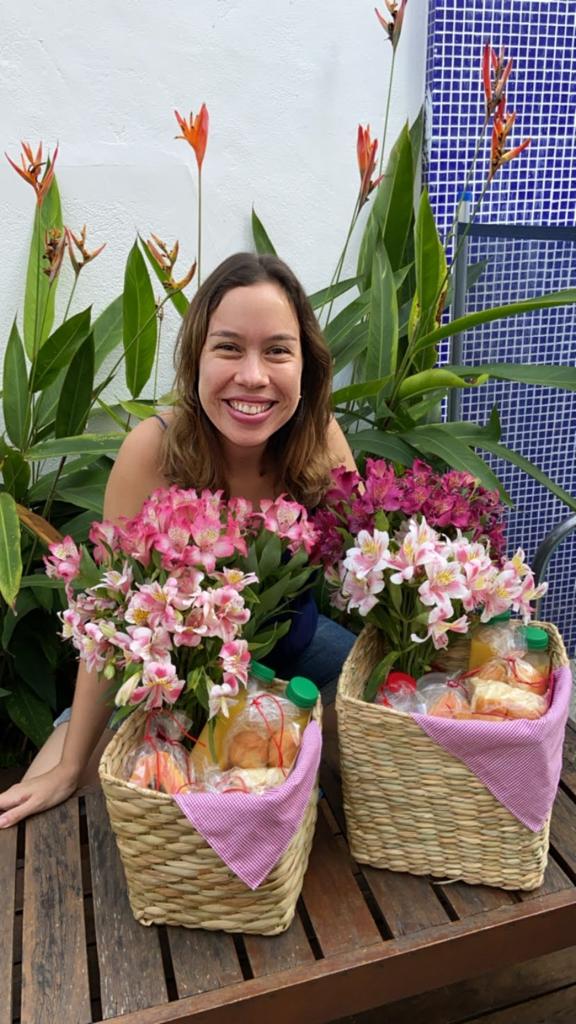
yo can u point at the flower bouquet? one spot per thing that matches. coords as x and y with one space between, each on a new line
412 801
169 608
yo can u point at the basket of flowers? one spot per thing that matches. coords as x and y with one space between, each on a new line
169 608
438 788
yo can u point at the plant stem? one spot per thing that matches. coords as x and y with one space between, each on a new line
385 129
340 264
157 360
199 256
69 303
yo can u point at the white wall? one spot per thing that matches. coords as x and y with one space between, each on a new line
285 81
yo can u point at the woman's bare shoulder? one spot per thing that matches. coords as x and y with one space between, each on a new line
137 470
339 450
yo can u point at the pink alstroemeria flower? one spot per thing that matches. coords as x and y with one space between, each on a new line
159 685
371 554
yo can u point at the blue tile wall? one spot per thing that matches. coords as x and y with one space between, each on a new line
538 188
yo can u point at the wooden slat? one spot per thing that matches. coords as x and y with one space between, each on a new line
279 952
558 1007
202 961
454 1004
8 839
335 905
408 902
367 977
563 828
54 963
569 768
129 955
469 900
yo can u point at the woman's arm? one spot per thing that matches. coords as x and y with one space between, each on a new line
135 474
338 447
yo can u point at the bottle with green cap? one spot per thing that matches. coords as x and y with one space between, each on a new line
260 676
494 639
303 694
537 653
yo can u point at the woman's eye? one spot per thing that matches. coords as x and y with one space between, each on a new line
226 346
279 350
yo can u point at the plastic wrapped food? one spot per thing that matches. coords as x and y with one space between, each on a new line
241 780
160 766
515 671
501 699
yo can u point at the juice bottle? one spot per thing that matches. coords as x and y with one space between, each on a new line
210 748
537 656
301 696
494 639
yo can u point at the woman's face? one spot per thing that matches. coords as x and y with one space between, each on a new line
251 365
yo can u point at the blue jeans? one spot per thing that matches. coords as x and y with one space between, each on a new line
322 660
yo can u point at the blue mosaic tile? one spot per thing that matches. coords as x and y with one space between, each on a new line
539 188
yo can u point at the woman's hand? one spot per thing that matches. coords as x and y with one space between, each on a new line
36 794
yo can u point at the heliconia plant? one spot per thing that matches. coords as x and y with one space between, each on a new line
386 338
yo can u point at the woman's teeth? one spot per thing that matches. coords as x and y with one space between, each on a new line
250 408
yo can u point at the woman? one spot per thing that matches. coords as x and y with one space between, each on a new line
253 417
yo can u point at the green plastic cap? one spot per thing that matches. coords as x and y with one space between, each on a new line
262 671
536 638
302 692
503 617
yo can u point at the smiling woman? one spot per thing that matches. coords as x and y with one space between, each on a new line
252 417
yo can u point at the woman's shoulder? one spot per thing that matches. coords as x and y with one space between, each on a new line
137 470
339 451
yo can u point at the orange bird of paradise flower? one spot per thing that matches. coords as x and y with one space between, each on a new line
195 131
31 169
366 153
392 28
502 127
493 65
79 241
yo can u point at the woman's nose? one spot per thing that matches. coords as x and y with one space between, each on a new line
251 371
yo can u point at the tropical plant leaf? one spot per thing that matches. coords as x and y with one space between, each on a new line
528 467
15 390
350 347
382 348
386 445
473 275
338 329
318 299
391 215
141 410
435 380
177 298
107 330
59 349
85 488
379 675
15 471
40 294
37 525
140 322
32 715
430 264
364 389
25 602
260 235
76 395
565 297
87 444
558 376
433 440
10 556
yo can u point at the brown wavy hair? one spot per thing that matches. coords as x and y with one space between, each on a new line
191 453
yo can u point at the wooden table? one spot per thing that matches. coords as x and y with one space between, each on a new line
72 952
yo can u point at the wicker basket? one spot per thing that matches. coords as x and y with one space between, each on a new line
174 876
412 806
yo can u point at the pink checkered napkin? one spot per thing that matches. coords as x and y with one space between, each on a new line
250 831
518 761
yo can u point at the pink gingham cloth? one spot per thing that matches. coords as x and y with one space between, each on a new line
518 761
250 831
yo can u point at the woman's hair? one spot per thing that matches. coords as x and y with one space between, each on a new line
192 454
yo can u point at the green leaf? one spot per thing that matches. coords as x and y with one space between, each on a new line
76 395
15 390
39 295
433 380
78 527
473 433
350 347
271 556
558 376
107 330
16 473
85 489
387 446
41 489
87 444
379 674
261 239
473 275
331 292
10 557
59 349
417 136
528 467
178 299
32 716
40 580
382 349
391 215
364 389
565 297
338 329
25 602
140 323
141 410
429 260
432 439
